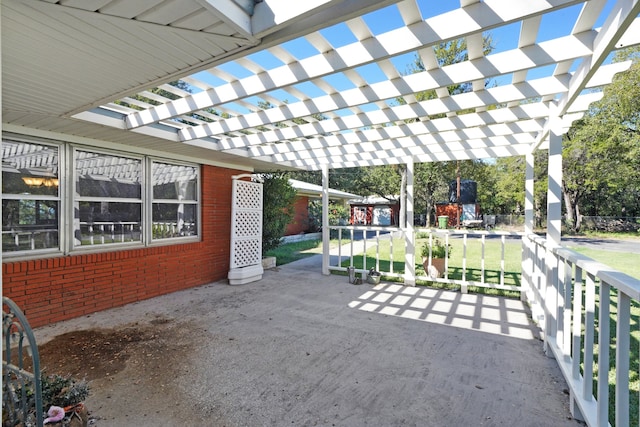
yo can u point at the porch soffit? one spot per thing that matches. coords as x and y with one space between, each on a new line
333 74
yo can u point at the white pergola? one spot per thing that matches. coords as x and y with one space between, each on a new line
330 70
331 73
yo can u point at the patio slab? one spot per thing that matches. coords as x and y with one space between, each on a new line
299 348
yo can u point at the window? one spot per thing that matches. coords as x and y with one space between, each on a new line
30 197
108 199
175 200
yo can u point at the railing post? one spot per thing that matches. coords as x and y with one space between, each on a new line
410 238
527 253
325 220
623 346
554 223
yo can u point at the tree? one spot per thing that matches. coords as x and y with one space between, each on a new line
601 153
277 208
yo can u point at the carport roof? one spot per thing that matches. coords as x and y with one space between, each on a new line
332 74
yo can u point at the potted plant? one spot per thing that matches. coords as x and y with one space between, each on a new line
439 251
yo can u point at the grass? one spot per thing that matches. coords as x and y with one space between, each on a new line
622 261
290 252
627 235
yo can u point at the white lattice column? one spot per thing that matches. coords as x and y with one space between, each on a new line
246 231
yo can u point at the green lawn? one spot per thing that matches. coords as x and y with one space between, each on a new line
621 261
290 252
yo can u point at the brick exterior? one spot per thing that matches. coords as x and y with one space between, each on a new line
300 223
54 289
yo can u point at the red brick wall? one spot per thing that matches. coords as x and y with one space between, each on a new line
54 289
300 222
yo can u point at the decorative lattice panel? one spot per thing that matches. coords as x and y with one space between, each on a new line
246 224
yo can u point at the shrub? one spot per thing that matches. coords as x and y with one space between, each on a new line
278 197
438 249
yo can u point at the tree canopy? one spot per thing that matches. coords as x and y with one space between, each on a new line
601 152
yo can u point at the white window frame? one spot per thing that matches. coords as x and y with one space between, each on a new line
197 202
67 200
60 199
76 199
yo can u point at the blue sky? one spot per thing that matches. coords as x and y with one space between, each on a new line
553 25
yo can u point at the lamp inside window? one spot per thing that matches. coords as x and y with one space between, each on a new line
40 181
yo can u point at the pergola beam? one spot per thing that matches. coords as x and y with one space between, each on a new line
624 13
475 18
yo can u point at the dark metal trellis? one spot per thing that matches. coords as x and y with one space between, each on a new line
21 389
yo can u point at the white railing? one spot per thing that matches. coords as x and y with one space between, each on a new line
100 233
29 239
579 302
460 270
355 241
475 271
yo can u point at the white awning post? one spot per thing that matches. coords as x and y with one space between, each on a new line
554 224
529 226
410 238
325 220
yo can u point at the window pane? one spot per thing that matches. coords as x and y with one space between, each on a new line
105 175
108 222
29 168
174 182
29 225
174 220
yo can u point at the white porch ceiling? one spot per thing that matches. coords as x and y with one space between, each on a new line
331 71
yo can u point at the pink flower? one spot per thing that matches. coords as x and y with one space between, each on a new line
55 413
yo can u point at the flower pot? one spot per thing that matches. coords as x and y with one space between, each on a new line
436 269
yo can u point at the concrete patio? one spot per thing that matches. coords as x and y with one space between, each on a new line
299 348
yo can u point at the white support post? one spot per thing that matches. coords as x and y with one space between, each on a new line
325 220
554 224
529 224
410 243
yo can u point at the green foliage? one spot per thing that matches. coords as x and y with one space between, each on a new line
338 215
62 391
438 249
278 211
601 152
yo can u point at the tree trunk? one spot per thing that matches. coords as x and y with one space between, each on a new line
578 218
568 204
